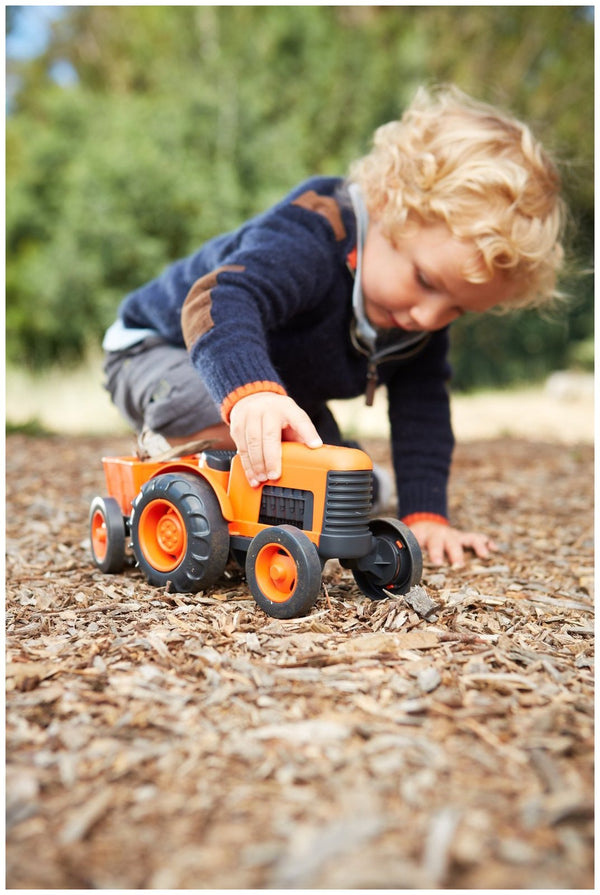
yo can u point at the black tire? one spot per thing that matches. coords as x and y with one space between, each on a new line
283 571
179 535
107 534
394 565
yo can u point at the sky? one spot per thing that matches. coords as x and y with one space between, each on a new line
29 38
31 31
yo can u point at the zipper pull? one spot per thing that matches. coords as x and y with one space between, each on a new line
371 383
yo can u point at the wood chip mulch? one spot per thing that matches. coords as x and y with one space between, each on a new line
170 741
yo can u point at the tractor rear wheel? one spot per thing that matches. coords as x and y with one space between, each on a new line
107 534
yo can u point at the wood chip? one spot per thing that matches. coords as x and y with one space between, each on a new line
81 820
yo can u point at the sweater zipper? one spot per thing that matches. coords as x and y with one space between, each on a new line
375 358
372 381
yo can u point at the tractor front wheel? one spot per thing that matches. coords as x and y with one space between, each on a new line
283 571
394 565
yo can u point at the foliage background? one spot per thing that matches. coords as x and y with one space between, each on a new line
141 131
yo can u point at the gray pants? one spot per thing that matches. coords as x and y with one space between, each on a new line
154 386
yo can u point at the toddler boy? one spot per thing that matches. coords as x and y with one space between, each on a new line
343 285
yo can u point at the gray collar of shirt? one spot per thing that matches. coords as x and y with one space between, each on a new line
363 331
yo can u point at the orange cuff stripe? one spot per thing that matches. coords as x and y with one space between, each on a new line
251 388
424 517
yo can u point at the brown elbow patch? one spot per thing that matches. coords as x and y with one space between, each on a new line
326 206
196 313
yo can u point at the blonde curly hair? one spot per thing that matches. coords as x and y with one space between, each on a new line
480 172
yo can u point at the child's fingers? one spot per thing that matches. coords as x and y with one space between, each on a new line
258 423
480 544
258 452
271 448
302 429
297 426
444 543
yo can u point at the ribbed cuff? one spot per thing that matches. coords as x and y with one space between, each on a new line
424 517
251 388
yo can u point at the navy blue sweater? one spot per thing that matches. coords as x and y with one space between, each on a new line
272 301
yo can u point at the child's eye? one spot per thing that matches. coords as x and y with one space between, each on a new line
422 280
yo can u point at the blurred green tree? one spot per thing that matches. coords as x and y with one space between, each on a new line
177 122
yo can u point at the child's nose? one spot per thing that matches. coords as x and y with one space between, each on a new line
426 316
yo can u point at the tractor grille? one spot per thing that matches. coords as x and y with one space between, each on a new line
286 506
349 500
347 507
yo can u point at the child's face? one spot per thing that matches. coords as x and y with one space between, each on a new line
419 284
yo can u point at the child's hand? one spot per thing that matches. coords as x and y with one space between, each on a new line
443 541
259 423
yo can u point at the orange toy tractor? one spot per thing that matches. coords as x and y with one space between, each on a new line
185 518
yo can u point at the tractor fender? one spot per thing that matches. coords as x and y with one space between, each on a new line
215 478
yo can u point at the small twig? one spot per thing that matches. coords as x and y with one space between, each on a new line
80 610
451 637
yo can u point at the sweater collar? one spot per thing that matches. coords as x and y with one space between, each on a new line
364 330
385 344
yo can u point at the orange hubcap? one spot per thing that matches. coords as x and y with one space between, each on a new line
99 535
276 573
162 535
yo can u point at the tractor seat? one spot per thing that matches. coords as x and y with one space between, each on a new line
219 459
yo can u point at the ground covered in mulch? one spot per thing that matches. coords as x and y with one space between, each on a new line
159 740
